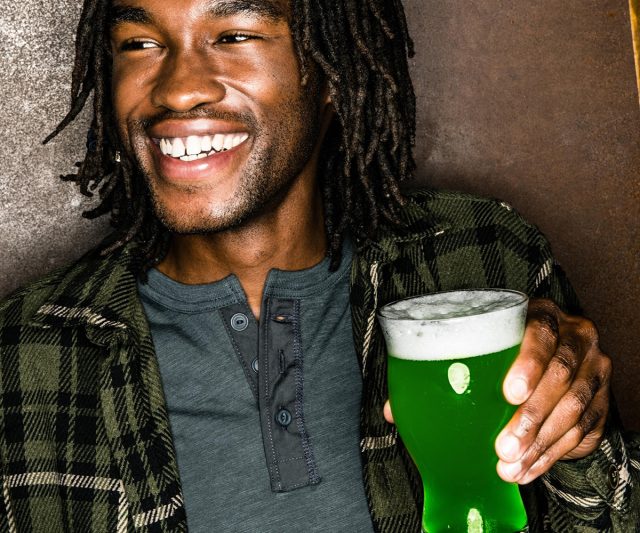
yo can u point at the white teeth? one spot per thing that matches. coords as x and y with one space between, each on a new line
165 146
217 142
178 148
197 147
193 145
239 138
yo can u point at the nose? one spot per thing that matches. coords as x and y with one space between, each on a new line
186 81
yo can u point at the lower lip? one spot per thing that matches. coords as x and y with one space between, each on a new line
174 169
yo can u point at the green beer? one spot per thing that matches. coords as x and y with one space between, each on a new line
448 356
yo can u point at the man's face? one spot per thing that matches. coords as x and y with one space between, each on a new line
208 100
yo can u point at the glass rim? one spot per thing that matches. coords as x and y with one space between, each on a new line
524 298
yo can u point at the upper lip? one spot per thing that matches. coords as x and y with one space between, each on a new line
169 129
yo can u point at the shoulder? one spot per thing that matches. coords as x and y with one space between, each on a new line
462 210
22 304
448 240
66 283
459 240
430 213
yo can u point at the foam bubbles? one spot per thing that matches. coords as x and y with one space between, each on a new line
454 325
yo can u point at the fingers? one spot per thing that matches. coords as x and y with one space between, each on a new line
565 405
388 416
572 430
540 340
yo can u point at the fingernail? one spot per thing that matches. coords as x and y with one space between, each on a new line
518 389
510 470
509 447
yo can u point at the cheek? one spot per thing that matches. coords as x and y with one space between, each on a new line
128 89
269 79
121 97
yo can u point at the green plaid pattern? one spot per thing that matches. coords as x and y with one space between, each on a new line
85 443
453 241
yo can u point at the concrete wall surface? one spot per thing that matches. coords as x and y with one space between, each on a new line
532 102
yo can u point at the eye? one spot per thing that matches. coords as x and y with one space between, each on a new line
137 44
234 38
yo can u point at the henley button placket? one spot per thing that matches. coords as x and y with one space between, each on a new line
243 333
283 418
287 445
239 322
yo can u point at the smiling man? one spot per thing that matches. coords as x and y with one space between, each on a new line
217 359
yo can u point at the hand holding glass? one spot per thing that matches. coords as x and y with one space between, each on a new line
449 353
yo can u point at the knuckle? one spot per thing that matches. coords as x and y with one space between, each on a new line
529 419
588 422
536 450
564 363
543 306
543 463
547 328
544 314
588 331
577 400
574 437
592 385
606 368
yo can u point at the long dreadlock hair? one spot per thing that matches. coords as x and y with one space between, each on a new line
360 47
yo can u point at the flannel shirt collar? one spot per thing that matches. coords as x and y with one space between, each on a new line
98 293
417 223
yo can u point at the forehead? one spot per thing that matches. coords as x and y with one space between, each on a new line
142 10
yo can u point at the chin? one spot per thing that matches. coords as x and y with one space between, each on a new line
198 220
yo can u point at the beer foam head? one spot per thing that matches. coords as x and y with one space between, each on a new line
454 325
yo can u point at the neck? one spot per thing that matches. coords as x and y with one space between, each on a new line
289 237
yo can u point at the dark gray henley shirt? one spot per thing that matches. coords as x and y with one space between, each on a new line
265 415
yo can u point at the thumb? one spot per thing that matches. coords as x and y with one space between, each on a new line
388 416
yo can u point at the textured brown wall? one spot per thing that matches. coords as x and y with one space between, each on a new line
533 102
536 103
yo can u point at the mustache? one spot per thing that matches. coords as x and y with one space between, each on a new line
212 114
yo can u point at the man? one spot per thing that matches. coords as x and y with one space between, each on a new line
217 358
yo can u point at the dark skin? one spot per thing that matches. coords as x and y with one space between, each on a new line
560 380
223 68
229 68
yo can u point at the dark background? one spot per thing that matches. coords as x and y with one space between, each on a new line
531 102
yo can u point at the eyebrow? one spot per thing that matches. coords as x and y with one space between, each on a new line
269 9
120 14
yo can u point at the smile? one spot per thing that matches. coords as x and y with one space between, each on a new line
199 146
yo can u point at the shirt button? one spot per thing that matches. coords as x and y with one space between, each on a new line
613 476
254 365
283 418
239 322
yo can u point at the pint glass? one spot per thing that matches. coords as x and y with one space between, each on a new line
449 353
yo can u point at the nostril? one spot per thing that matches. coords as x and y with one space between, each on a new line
184 85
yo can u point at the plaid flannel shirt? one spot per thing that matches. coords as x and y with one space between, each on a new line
85 442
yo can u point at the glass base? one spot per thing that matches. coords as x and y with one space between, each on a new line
490 507
525 530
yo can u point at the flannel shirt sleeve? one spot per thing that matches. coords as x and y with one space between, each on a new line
600 492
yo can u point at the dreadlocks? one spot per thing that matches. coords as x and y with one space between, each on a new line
361 49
